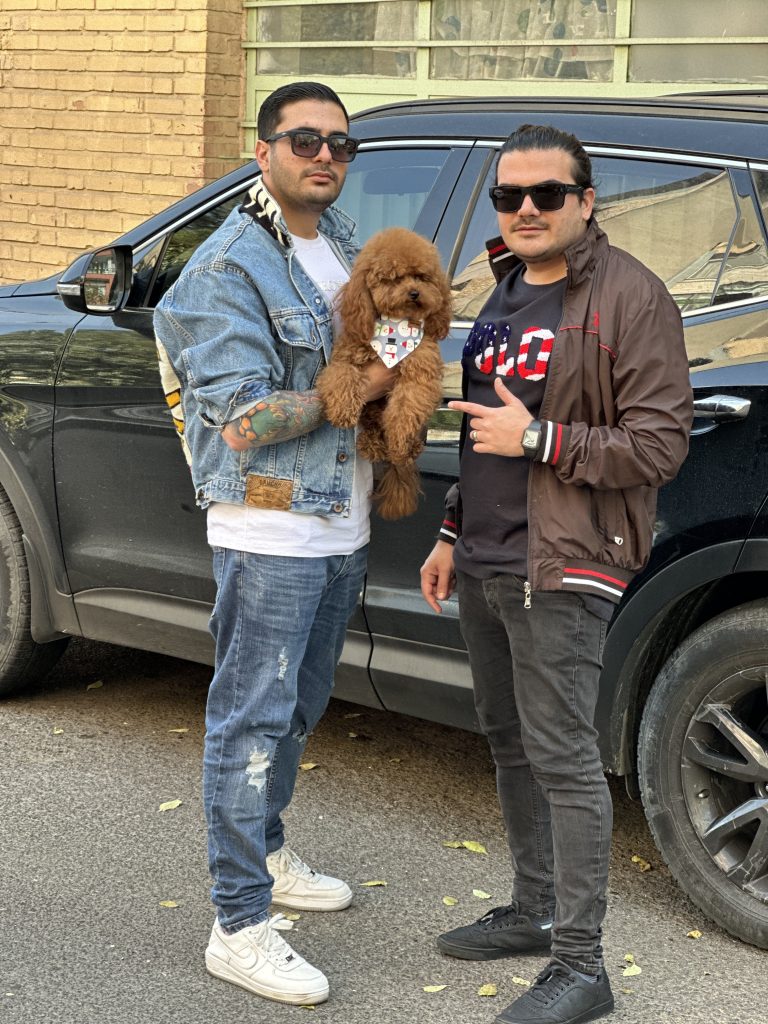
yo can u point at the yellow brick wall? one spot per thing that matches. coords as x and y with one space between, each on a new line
109 111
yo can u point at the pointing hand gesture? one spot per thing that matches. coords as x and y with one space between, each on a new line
496 431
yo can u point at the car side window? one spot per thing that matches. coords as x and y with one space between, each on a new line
144 264
761 184
745 270
391 187
182 243
683 221
384 187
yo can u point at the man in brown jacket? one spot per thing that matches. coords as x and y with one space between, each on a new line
578 407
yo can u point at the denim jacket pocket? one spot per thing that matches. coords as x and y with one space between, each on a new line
297 329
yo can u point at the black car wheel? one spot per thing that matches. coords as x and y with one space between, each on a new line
22 661
703 767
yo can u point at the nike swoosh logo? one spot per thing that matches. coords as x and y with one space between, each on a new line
245 961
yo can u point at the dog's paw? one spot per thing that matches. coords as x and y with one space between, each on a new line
340 417
341 391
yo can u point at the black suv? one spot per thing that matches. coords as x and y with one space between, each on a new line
100 536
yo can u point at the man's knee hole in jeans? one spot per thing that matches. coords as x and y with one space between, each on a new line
257 768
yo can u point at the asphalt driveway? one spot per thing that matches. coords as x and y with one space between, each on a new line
89 860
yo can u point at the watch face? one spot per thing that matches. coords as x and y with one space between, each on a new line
531 439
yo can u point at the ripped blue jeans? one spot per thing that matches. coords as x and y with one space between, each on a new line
279 625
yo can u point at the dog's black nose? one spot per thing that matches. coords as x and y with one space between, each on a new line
413 295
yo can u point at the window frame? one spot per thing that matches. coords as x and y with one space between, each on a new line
361 91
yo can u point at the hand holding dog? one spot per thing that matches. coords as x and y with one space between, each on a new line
380 379
499 430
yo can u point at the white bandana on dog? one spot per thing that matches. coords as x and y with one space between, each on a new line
393 340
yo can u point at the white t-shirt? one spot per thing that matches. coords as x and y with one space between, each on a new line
268 532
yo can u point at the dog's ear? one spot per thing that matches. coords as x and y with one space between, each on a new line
438 324
358 313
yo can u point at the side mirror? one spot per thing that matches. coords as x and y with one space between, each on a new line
98 282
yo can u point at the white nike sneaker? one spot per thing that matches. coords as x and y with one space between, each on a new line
297 886
259 959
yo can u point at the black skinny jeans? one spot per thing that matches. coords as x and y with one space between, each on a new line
535 673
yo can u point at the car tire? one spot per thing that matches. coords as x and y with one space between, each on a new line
703 769
23 662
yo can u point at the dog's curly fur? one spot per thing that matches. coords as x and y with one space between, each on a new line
396 276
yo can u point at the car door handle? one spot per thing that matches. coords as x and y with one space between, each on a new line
721 407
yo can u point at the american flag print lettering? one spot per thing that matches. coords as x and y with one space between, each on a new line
508 359
539 370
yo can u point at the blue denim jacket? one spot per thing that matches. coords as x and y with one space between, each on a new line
244 320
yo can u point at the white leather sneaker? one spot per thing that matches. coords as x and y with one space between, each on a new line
259 959
297 886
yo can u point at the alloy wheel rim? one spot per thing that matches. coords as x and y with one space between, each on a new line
724 774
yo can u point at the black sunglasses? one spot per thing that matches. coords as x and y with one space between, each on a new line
545 197
308 144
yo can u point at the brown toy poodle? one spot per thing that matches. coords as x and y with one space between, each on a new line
396 306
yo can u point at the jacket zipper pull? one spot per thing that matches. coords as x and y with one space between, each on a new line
527 589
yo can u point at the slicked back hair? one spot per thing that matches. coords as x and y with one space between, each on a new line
546 136
271 109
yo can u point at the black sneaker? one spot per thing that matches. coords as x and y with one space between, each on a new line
560 996
503 931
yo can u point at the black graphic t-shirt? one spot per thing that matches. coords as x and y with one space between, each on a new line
512 338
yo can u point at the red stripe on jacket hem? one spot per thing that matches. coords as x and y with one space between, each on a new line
597 575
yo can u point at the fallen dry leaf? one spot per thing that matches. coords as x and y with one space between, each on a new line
470 844
520 981
641 863
450 901
434 988
632 970
627 991
178 730
306 1006
466 844
481 895
629 957
307 766
487 990
94 686
170 805
290 916
57 732
354 714
171 904
375 882
395 760
694 934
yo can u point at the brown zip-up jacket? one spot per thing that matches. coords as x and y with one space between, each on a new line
616 415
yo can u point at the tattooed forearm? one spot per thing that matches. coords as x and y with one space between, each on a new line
279 417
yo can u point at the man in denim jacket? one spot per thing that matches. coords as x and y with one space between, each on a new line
242 336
